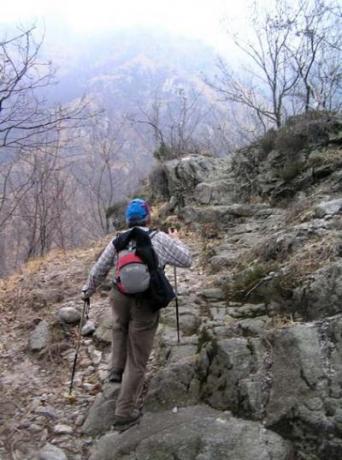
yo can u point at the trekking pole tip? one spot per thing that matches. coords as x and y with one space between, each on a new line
71 398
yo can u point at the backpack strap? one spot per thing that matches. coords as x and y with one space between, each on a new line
152 232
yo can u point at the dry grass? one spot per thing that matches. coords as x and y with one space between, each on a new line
329 156
299 212
314 255
22 288
282 320
247 280
277 278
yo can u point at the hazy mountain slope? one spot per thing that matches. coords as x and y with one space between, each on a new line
128 64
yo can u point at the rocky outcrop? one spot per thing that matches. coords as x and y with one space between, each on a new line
193 433
267 349
277 168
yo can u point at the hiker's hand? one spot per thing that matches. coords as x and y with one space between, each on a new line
173 232
85 295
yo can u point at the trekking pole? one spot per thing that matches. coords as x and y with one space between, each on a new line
177 310
85 313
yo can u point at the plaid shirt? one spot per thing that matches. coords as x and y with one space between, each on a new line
169 250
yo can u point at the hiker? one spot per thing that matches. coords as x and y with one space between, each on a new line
135 321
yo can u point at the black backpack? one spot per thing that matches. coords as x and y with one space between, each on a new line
160 292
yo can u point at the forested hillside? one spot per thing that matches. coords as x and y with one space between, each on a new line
84 119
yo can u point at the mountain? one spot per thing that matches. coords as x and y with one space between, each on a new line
127 74
128 64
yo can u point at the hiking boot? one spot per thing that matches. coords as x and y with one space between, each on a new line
122 423
115 375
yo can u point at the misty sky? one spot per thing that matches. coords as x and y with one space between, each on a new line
199 19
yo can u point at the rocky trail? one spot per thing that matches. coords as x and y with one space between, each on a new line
36 366
38 352
38 349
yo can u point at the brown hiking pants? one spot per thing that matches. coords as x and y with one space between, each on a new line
134 327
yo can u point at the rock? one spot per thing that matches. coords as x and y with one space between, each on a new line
233 375
289 379
69 315
39 338
296 371
34 428
321 295
176 384
54 295
205 434
188 322
223 215
103 332
46 411
330 208
50 452
220 191
223 260
251 327
95 355
101 414
213 294
182 352
62 429
247 310
184 174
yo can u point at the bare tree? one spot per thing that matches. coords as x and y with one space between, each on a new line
42 208
104 172
38 219
34 136
25 114
286 61
316 54
180 122
268 80
27 122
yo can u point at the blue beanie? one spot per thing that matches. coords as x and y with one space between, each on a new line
137 211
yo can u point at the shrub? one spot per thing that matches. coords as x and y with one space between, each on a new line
291 170
164 153
267 142
247 279
289 143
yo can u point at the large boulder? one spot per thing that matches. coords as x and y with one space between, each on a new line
196 432
233 375
185 173
289 378
177 384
